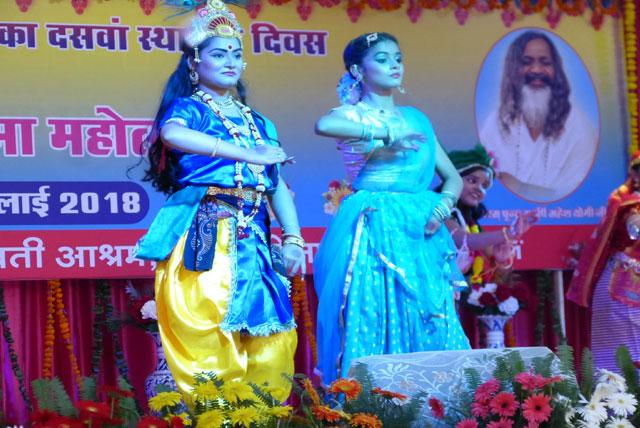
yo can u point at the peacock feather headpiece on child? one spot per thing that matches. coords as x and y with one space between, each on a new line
464 160
212 19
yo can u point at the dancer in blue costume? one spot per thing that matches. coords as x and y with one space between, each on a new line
222 307
386 269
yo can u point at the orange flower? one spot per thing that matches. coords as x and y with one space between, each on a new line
327 414
388 394
313 394
349 387
363 420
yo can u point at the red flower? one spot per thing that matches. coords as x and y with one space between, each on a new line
504 404
502 423
531 382
92 410
480 410
437 408
487 299
467 423
177 422
637 364
486 391
503 293
536 408
41 416
152 422
526 380
334 184
63 422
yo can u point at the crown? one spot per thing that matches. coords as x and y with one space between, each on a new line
213 19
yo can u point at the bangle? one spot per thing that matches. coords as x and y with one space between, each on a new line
450 196
216 145
364 131
293 240
370 133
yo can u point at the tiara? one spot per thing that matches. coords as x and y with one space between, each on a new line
214 19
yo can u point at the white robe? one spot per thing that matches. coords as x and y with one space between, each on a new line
543 170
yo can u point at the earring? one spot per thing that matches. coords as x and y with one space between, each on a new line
244 66
194 77
196 56
401 89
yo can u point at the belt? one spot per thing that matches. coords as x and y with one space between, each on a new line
247 194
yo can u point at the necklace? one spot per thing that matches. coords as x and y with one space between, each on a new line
545 152
257 170
225 103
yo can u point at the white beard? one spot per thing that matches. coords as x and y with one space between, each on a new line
535 106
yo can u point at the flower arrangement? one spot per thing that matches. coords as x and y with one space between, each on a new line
495 299
610 405
219 403
355 403
141 312
338 190
516 396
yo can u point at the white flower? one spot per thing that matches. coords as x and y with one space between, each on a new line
594 412
490 287
603 391
619 423
622 404
149 310
613 379
509 306
474 297
329 208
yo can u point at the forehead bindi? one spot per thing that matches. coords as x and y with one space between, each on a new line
224 44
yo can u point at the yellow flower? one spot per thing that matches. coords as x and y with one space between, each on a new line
206 391
211 419
237 391
244 416
274 391
164 399
280 412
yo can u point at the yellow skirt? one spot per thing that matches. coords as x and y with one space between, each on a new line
191 307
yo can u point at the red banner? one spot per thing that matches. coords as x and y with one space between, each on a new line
45 254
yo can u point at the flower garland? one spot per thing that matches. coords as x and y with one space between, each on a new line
300 304
461 8
13 356
257 170
55 306
630 27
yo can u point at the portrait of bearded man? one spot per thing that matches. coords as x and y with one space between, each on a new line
544 144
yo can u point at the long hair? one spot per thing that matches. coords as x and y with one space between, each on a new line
512 82
357 49
164 169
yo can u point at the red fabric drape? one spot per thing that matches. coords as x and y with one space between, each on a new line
27 310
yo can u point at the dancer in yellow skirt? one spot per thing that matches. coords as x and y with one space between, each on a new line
222 307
